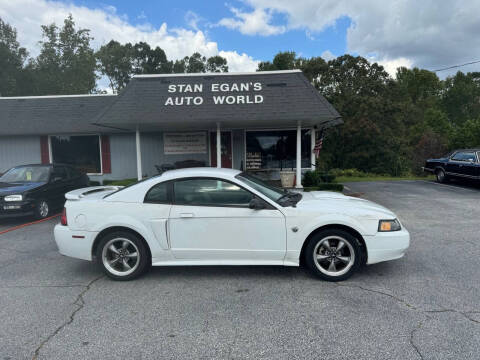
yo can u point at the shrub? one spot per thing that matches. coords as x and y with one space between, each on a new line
311 178
124 182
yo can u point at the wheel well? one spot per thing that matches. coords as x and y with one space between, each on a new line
438 168
348 229
112 229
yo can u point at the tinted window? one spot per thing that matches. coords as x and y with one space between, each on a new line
83 152
60 172
210 192
464 156
158 194
72 173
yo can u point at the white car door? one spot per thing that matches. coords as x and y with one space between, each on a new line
210 220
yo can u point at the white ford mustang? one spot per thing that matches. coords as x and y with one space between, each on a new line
208 216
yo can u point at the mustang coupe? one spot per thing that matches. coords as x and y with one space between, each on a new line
460 164
207 216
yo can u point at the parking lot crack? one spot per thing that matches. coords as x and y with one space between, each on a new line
79 303
410 306
464 314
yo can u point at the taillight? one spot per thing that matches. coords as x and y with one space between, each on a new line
63 220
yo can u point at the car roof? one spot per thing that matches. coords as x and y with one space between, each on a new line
49 165
199 172
477 149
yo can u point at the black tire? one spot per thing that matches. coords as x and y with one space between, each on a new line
316 248
113 264
441 176
42 209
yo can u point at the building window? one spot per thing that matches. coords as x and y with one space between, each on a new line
276 149
82 152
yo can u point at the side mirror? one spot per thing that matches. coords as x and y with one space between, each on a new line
56 179
256 204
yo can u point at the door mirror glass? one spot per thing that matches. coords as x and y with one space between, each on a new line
256 204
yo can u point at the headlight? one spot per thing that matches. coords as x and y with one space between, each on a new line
13 198
389 225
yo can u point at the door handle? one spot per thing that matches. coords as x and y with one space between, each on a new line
186 215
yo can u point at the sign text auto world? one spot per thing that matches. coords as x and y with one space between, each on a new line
192 94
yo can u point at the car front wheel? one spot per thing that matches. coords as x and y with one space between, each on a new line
333 255
441 176
42 209
123 255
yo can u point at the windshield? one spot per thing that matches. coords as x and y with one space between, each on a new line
26 174
272 192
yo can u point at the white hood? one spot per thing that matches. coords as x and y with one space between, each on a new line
339 203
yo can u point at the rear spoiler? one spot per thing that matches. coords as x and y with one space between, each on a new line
84 192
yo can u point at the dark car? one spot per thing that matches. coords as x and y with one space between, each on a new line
460 164
37 189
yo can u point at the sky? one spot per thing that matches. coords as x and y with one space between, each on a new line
430 34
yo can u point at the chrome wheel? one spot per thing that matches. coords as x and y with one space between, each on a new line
43 209
333 255
120 256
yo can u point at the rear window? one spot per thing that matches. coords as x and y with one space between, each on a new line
158 194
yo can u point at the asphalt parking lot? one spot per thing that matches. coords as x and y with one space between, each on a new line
424 306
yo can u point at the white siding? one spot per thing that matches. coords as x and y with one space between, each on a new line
19 150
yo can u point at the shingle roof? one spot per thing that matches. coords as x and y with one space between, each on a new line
51 114
288 97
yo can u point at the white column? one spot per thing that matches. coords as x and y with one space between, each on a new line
298 184
139 155
313 159
219 147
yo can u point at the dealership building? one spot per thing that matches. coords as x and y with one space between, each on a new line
261 122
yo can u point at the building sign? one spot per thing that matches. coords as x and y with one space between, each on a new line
220 93
185 143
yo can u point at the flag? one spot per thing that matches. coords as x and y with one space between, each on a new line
318 144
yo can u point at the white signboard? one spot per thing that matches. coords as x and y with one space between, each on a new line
185 143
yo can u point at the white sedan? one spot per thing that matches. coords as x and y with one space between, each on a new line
208 216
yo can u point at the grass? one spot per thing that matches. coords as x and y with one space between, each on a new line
124 182
342 179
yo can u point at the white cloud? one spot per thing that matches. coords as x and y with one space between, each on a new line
253 23
327 55
428 33
105 24
239 63
392 65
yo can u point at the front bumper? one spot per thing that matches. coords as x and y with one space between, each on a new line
76 244
427 169
13 209
386 246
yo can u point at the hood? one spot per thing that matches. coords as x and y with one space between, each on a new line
18 188
339 203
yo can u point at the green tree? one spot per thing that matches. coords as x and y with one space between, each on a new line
217 64
150 61
115 62
461 97
66 63
12 59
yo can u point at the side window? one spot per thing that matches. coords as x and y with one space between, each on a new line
210 192
464 156
470 156
60 172
158 194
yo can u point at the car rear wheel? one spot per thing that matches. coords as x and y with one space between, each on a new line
441 176
123 255
42 210
333 255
